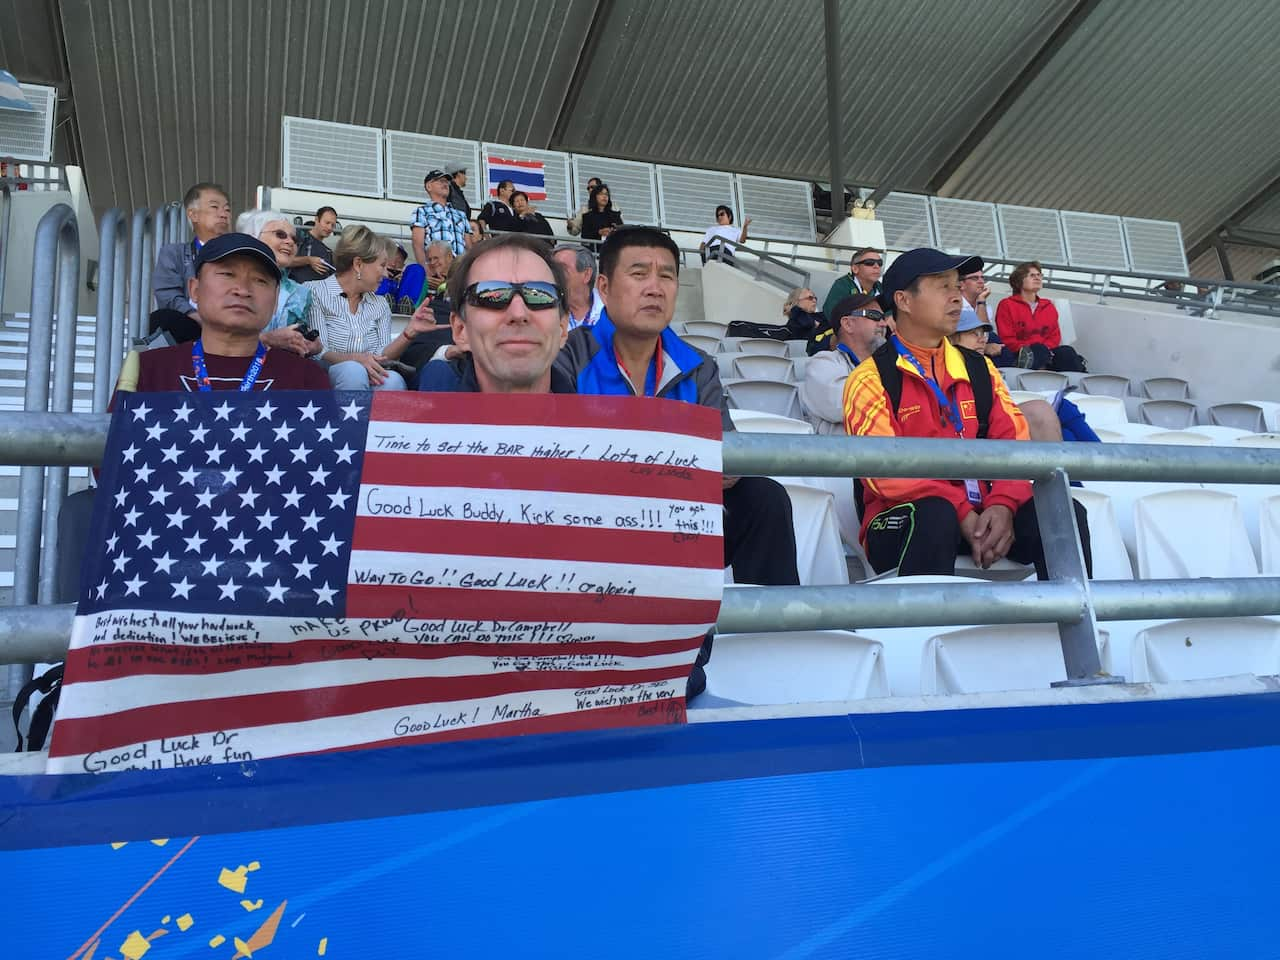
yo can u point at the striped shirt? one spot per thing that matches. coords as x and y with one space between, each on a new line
368 330
443 223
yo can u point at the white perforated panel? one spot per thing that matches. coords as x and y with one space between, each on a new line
906 219
966 226
555 170
1155 246
687 198
1094 240
331 157
28 135
633 187
1031 233
411 156
779 209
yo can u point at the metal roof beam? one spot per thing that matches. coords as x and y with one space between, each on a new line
581 69
835 110
1241 208
1071 21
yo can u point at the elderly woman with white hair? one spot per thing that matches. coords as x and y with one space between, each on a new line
288 323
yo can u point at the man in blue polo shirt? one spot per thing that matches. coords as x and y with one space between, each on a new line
631 350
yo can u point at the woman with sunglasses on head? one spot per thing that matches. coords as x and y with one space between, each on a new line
286 331
354 323
865 267
858 330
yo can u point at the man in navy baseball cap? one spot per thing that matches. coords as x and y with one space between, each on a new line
909 267
238 244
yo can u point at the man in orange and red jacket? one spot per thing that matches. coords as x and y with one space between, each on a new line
921 526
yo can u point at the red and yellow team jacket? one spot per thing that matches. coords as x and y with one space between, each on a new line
868 413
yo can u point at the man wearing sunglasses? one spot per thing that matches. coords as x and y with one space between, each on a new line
859 328
632 351
509 320
863 277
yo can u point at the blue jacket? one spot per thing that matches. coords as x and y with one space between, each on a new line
688 374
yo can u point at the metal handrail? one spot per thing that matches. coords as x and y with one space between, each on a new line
1069 599
718 253
109 333
141 264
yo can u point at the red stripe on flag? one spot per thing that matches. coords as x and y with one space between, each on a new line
438 603
526 164
76 735
113 661
647 414
478 538
603 477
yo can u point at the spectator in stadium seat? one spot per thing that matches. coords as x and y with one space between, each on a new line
920 385
209 213
354 324
723 238
497 213
632 351
1028 324
974 313
528 218
859 330
600 219
457 188
574 225
390 287
234 280
288 323
436 220
585 305
427 343
863 277
314 259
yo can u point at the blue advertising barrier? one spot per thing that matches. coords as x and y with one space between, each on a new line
1125 829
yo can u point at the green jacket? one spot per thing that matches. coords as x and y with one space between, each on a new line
844 287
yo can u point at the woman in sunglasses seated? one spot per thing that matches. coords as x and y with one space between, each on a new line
355 323
287 329
857 331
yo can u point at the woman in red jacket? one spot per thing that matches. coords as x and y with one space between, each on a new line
1028 324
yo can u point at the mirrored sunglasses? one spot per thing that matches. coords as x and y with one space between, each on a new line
498 294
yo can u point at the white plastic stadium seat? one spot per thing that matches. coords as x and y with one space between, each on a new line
1110 558
1256 416
1100 411
1010 376
1259 440
756 421
1185 438
1126 432
803 667
1105 385
1170 414
705 344
1220 436
705 328
1040 380
767 395
773 348
819 550
1191 533
1022 396
1019 656
1201 649
756 366
1269 533
1166 388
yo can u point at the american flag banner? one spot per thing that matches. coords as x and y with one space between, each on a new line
289 572
528 175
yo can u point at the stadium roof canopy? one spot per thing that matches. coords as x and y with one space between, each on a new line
1164 110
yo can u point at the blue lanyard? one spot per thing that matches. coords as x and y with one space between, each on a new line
202 372
852 356
950 409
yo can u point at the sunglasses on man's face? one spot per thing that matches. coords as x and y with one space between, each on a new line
874 316
498 294
869 262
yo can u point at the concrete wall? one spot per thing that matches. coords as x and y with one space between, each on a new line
729 294
28 207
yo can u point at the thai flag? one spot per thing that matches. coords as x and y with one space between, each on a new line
527 175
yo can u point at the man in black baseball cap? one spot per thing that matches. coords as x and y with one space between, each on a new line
920 385
235 287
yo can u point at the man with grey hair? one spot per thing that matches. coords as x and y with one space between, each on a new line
585 305
209 213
